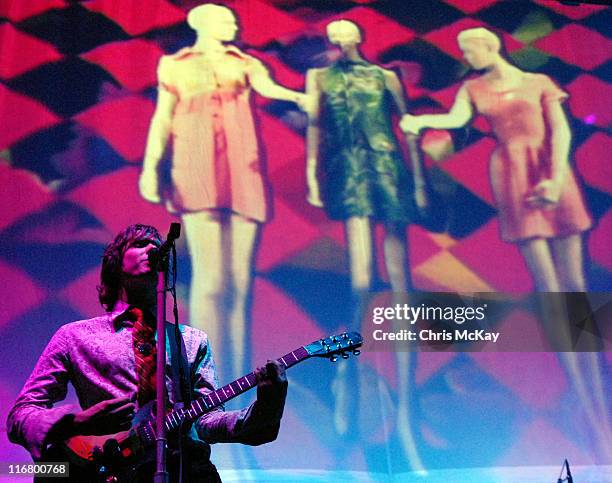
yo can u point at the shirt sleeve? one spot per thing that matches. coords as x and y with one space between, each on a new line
463 94
256 69
552 92
34 414
257 424
164 76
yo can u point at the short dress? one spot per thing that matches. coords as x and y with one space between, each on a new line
363 173
215 160
522 159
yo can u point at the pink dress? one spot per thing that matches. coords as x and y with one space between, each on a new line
522 159
215 160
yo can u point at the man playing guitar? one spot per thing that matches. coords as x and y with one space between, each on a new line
105 359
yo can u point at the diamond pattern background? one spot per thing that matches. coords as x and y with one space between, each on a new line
77 91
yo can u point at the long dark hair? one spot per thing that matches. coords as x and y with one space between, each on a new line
110 272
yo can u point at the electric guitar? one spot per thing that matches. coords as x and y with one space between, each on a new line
117 457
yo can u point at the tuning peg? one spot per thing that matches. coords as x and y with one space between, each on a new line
333 358
356 352
345 355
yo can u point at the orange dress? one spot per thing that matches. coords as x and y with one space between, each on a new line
215 159
522 159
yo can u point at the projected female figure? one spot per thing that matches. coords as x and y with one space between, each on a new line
540 206
351 148
218 186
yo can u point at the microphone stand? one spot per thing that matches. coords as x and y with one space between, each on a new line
161 264
568 473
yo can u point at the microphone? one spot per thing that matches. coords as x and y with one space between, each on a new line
158 255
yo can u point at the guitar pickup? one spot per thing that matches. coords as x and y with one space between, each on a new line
146 433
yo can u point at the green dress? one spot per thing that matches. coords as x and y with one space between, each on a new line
363 173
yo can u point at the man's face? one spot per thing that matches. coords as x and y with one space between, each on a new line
136 257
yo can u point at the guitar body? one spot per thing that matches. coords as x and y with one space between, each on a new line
120 457
96 458
80 470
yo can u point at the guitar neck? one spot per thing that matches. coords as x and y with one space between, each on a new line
202 405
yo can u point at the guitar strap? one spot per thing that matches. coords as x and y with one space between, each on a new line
181 386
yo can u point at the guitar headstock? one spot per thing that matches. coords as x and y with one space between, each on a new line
336 345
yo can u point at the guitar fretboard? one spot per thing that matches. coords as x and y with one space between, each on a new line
216 398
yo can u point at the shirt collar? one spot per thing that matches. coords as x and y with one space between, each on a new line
120 316
344 62
226 50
